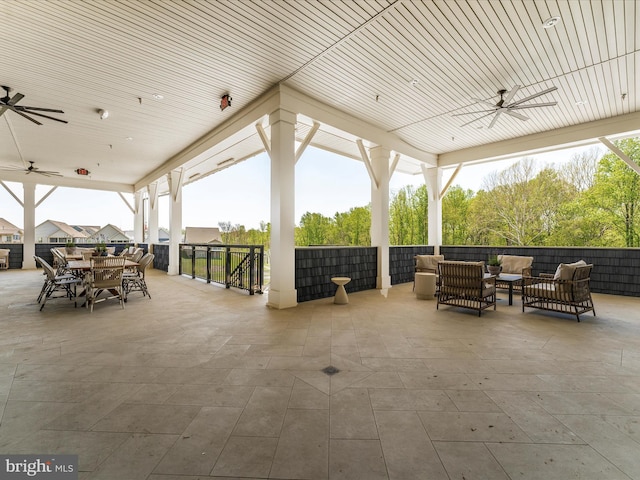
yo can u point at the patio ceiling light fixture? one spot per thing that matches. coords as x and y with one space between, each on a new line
550 22
104 114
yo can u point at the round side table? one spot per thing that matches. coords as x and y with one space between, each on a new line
425 285
341 297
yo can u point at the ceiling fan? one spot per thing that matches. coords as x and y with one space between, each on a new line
9 103
33 169
505 105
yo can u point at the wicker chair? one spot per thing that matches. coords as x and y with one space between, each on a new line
4 258
462 284
135 280
566 291
514 264
105 275
65 284
427 264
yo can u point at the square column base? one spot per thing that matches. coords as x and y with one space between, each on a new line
282 299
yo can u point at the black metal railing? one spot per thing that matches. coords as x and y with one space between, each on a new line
238 266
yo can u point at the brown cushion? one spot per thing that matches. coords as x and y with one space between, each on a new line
565 270
428 262
514 263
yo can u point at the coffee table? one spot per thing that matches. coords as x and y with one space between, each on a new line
509 279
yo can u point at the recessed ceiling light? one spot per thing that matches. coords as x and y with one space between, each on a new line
104 114
414 82
581 102
550 22
157 96
129 138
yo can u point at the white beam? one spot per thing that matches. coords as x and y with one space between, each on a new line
264 138
69 182
623 156
453 176
126 202
367 163
45 196
574 136
394 164
307 140
11 193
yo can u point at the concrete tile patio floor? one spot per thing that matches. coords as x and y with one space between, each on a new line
203 382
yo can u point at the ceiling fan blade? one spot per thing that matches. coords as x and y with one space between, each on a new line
47 173
471 113
476 119
27 117
511 94
3 109
493 122
515 114
535 105
531 97
477 100
52 110
43 115
15 99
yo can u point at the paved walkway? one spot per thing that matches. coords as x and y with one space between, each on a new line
202 382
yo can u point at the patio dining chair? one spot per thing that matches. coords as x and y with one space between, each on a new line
64 284
105 275
135 280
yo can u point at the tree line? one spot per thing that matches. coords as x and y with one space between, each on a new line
592 200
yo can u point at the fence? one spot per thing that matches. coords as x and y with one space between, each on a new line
238 266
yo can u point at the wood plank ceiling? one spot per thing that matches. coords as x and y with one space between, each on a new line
403 66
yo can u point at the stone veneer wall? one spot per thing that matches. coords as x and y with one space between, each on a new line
402 264
161 259
15 255
316 265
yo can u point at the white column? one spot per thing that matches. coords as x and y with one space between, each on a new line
380 213
433 180
29 216
153 213
138 217
175 221
282 292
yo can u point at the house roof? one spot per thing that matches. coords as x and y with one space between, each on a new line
65 228
202 235
392 72
7 227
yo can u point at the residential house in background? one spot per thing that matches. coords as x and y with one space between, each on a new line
52 231
109 234
202 235
9 233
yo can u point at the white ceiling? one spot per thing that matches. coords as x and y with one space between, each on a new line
355 59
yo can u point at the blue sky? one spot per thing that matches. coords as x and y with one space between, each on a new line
325 183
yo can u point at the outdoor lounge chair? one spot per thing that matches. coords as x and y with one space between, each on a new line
427 264
4 258
516 265
463 284
566 291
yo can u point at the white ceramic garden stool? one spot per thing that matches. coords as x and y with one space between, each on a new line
341 297
425 285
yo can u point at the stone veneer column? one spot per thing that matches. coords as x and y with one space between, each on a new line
29 219
380 213
282 292
175 221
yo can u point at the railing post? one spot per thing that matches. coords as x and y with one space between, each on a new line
261 268
227 267
208 264
193 261
252 269
179 259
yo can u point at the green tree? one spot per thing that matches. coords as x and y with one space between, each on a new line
455 216
616 191
315 229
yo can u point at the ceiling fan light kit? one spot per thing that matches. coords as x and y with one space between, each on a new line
507 106
9 103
